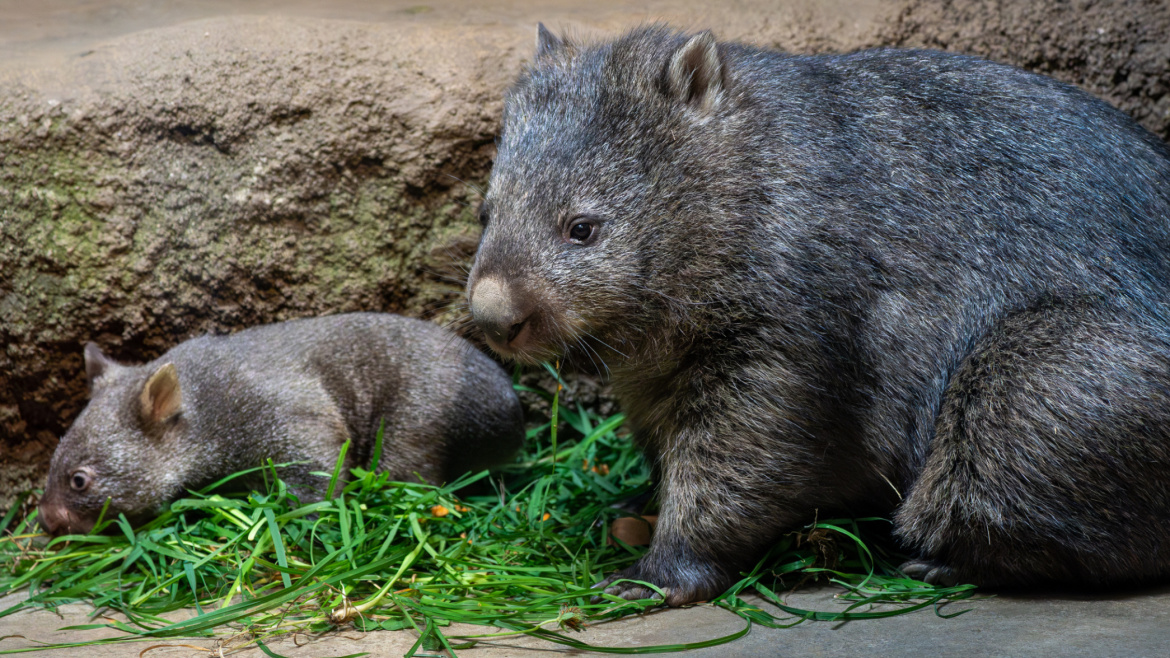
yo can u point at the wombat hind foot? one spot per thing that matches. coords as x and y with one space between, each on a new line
929 573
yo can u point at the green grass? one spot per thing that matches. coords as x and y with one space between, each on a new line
390 555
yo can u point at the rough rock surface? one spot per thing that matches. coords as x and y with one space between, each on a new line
236 169
1118 50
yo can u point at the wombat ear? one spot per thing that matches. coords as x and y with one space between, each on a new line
161 398
96 363
546 42
695 74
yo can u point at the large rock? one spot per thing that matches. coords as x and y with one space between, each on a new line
231 171
225 173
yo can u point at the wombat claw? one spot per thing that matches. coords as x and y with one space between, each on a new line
929 573
626 590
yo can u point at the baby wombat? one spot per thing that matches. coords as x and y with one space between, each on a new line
292 391
908 282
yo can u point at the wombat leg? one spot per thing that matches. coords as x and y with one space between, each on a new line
718 510
1051 455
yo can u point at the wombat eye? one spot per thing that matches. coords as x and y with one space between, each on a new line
580 232
484 216
79 481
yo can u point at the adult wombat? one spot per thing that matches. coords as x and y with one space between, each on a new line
292 391
907 281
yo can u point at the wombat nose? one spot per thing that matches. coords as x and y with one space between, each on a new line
54 519
499 314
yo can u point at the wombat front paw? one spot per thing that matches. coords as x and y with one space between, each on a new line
627 590
929 573
676 590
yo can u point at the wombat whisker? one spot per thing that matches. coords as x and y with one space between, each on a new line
589 355
474 188
461 281
459 304
455 325
600 358
598 354
452 323
616 350
457 262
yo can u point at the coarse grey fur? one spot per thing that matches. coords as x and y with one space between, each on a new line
904 282
291 391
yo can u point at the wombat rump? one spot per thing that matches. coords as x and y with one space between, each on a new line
291 392
904 282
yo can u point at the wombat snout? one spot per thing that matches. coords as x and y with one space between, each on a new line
55 519
502 313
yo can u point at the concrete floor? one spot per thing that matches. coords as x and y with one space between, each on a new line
1130 624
